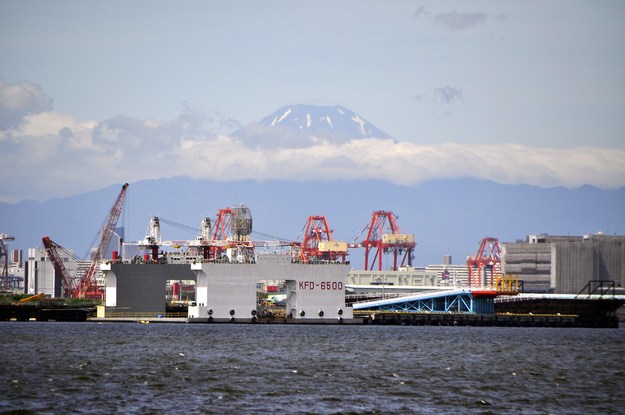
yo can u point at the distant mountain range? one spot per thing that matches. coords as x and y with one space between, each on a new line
446 216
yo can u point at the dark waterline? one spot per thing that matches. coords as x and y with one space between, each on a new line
107 368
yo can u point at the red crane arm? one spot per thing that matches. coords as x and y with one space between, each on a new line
106 232
317 230
488 255
222 224
385 223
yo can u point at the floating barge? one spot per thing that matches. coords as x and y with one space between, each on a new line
44 312
227 292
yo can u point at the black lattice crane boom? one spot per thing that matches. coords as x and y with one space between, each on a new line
4 258
53 250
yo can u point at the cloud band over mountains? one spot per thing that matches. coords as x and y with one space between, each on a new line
47 154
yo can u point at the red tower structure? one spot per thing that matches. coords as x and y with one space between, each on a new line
221 229
232 229
318 242
384 237
486 263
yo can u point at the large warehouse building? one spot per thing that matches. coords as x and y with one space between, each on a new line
565 264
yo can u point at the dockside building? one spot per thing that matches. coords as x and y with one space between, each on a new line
565 264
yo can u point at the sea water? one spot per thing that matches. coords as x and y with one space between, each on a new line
131 368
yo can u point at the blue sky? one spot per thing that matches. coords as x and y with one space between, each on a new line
517 92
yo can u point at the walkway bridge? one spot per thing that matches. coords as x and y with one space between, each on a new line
465 300
481 301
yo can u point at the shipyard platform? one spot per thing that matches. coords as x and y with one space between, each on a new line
228 292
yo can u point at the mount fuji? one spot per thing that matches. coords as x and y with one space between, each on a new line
301 125
320 120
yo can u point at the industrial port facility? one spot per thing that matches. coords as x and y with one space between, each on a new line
226 275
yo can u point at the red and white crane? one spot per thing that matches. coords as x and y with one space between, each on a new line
318 244
485 264
384 237
84 283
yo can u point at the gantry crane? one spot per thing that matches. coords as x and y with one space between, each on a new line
485 264
384 237
318 244
84 285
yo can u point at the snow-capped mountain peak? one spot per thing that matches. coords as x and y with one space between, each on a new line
279 119
322 121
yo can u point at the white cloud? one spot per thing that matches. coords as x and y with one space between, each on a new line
53 155
19 100
441 101
456 22
50 123
448 95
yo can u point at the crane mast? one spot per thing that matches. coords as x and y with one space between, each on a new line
4 257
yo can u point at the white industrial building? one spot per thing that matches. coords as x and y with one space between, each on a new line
41 277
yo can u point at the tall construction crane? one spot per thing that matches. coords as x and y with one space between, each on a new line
318 242
486 263
82 286
4 258
384 237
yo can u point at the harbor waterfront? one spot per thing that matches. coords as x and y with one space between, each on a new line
595 311
224 368
225 276
588 313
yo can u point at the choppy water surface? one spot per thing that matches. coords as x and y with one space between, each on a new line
192 368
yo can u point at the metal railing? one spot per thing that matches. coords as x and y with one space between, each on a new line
601 287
